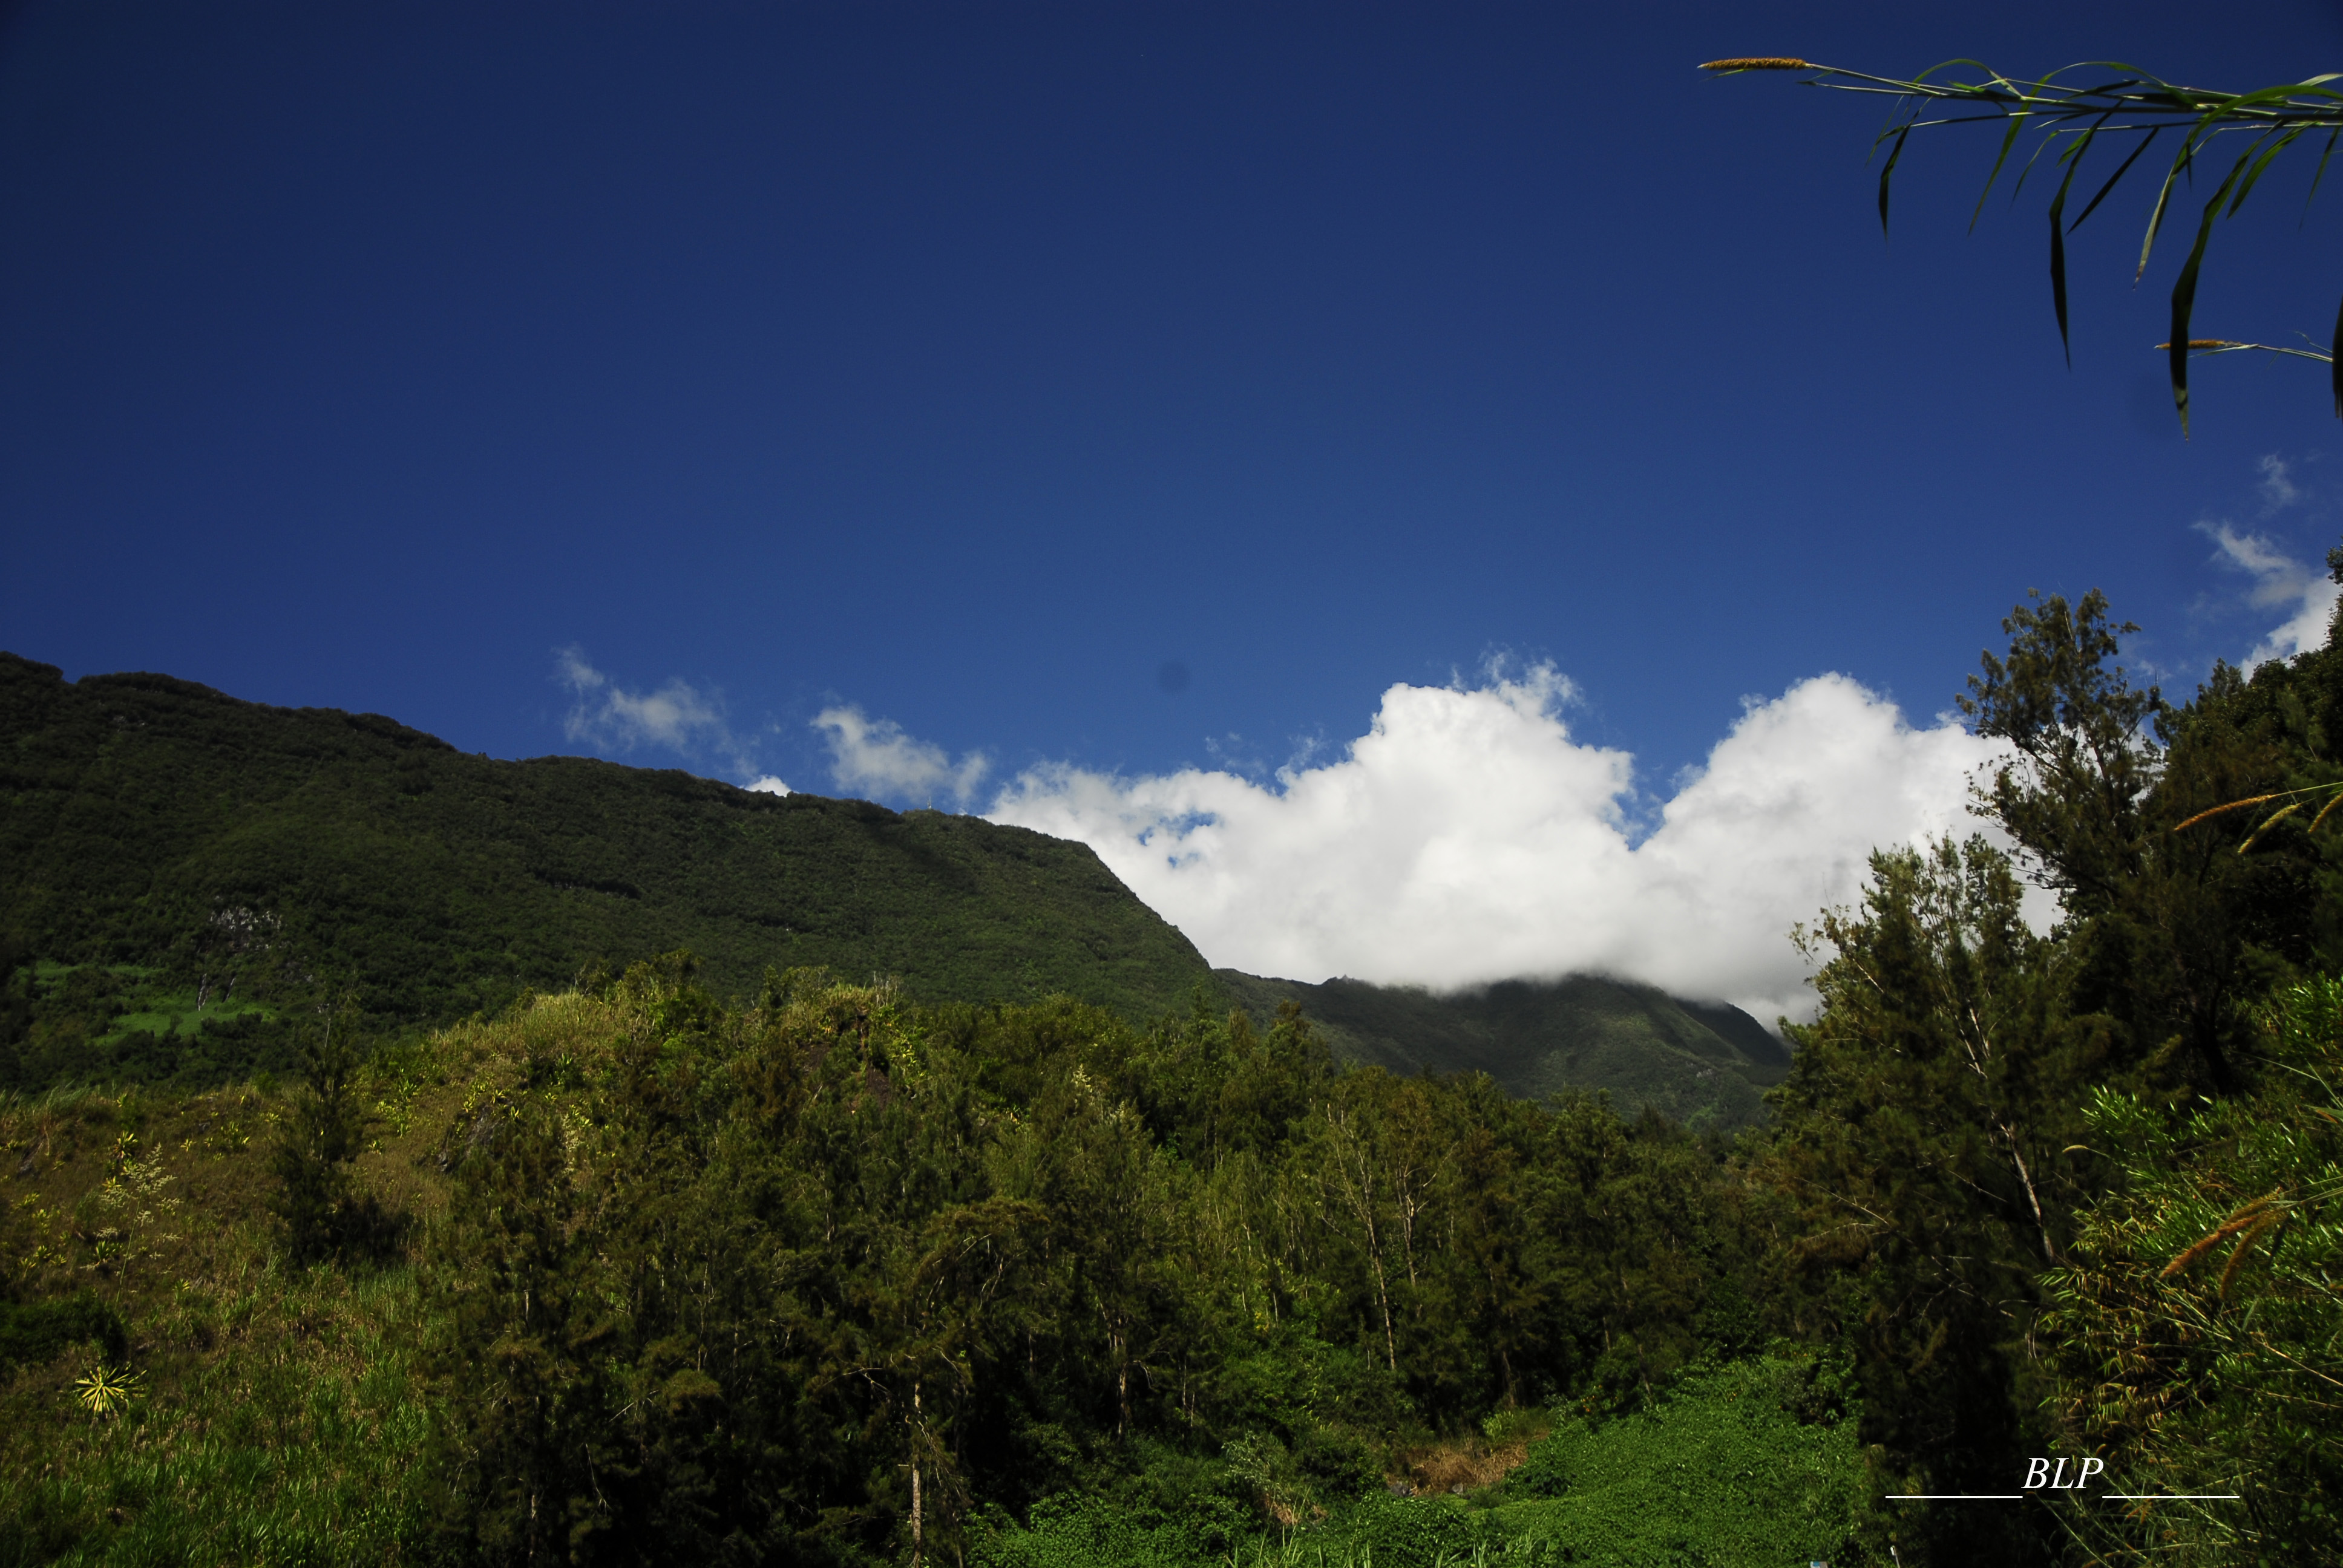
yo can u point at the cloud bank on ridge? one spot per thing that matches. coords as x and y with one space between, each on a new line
1466 837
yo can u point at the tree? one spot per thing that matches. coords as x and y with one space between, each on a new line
2133 104
1924 1133
2176 932
318 1199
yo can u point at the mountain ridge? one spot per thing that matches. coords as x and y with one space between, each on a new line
1700 1063
166 842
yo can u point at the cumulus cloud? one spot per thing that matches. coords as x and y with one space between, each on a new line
1467 837
769 784
2304 596
875 757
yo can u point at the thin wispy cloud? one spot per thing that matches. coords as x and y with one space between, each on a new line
677 716
875 757
2303 598
2277 487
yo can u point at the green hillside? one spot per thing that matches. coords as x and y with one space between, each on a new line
180 867
1703 1064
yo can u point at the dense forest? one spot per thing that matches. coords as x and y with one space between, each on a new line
637 1267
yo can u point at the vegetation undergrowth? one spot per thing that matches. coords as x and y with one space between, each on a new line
228 1405
1749 1462
824 1277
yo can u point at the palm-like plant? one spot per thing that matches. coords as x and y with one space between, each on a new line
107 1390
2123 101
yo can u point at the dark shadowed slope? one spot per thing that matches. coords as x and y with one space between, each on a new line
1704 1063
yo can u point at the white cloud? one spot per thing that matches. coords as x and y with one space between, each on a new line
677 715
768 784
1466 837
2305 597
874 755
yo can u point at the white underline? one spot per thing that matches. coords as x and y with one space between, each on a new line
2104 1496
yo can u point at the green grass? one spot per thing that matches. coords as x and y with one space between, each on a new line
1754 1464
1723 1472
299 1446
176 1014
279 1419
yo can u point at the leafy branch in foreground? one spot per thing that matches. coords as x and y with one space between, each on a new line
2134 103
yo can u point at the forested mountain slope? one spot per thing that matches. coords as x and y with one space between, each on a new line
1703 1064
180 865
221 849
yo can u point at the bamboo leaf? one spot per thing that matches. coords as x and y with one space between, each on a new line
2317 174
2335 357
2254 177
2187 155
2046 142
2058 238
2009 139
2058 282
1888 170
2118 98
2184 292
2121 169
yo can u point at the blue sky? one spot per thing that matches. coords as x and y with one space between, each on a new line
963 367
